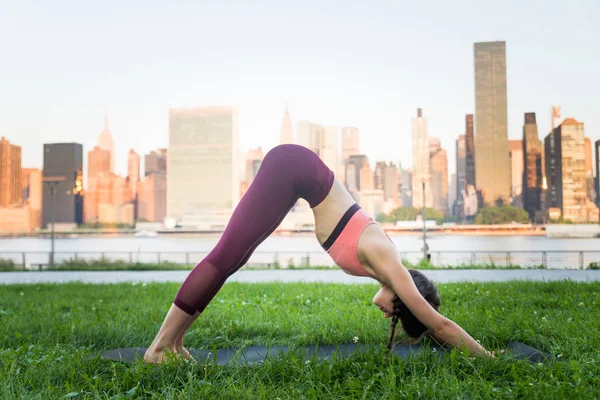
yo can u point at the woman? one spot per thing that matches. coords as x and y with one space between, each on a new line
354 241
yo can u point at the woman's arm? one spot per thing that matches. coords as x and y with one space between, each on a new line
381 256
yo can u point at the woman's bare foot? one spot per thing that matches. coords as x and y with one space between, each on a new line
168 343
161 355
182 350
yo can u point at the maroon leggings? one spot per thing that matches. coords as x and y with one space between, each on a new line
288 172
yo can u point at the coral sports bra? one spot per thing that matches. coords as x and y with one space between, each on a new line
342 244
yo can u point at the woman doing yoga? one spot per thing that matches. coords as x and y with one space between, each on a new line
355 242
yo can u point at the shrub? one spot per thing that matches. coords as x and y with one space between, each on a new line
7 265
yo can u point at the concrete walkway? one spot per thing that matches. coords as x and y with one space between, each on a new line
333 275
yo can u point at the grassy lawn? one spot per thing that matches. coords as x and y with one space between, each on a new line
51 337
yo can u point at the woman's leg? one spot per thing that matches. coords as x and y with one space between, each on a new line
287 173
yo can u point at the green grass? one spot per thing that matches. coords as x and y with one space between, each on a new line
51 337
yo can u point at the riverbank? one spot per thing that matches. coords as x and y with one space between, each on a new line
175 234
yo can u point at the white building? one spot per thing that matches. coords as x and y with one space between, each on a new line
203 166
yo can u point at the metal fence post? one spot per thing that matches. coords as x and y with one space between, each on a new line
276 260
508 258
24 261
187 258
472 259
307 260
158 257
544 260
581 260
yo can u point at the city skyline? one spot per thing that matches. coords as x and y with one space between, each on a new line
405 163
140 68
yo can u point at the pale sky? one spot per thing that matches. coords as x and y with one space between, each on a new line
363 64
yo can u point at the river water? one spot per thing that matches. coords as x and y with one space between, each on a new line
446 250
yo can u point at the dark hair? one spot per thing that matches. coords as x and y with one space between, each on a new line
411 325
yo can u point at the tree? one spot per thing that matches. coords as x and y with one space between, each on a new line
503 214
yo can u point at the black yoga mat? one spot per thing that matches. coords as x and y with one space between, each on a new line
258 354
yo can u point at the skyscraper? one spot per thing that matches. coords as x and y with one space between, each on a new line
565 168
98 163
461 175
330 148
491 131
31 182
379 175
386 180
133 178
202 166
532 166
152 197
452 185
551 185
470 175
322 140
589 164
253 162
515 155
421 176
63 161
115 206
350 147
309 135
589 170
11 192
133 172
434 144
556 119
286 135
98 183
105 142
359 175
405 187
350 142
155 162
439 178
152 192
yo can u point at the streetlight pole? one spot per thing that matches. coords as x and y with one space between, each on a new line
424 224
52 182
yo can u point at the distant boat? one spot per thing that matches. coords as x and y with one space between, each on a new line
146 234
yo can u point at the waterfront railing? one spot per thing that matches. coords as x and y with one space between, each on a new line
551 259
